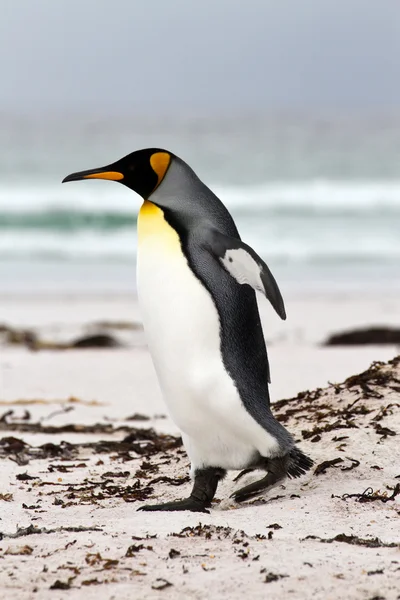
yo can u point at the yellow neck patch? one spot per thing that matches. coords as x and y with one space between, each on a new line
154 231
159 162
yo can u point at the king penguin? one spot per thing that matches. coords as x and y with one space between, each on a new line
197 285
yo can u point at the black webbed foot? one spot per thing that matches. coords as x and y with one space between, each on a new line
255 488
243 473
204 488
293 464
186 504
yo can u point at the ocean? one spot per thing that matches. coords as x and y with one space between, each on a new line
317 198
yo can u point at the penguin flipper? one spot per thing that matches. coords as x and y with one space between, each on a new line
244 265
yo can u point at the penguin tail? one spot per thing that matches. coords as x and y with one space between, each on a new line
299 463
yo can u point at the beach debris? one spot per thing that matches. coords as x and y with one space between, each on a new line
33 530
171 480
354 540
113 474
325 417
6 497
25 477
378 375
135 548
34 401
363 336
121 325
161 584
93 581
369 495
326 464
19 550
138 440
271 577
209 532
15 336
354 464
100 340
94 559
383 431
65 468
376 572
31 340
62 585
137 417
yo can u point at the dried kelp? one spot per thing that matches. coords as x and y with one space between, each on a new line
369 495
140 441
354 540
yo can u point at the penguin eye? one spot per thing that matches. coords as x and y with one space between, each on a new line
131 168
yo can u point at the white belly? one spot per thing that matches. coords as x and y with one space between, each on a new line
182 329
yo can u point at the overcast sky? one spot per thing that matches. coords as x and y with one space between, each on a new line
199 56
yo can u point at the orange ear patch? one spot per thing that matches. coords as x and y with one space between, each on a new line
160 162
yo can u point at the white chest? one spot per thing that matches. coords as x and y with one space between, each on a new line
179 316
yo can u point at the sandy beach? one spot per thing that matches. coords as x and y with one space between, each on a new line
76 466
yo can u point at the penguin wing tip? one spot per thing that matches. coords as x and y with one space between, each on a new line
282 312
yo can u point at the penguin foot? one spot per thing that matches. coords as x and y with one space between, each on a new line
204 488
292 465
243 473
186 504
277 470
255 488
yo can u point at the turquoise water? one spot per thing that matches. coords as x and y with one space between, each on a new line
319 199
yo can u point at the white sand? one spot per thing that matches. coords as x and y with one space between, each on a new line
122 382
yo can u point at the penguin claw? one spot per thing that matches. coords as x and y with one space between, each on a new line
258 487
242 473
244 494
186 504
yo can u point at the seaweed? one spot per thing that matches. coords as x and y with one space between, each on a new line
327 428
171 480
271 577
31 340
62 585
140 441
25 477
32 530
326 464
354 464
364 336
353 540
369 495
208 531
376 376
161 584
383 431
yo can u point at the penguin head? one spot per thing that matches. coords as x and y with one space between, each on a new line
141 171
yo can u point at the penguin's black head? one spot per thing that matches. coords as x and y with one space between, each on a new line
141 171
